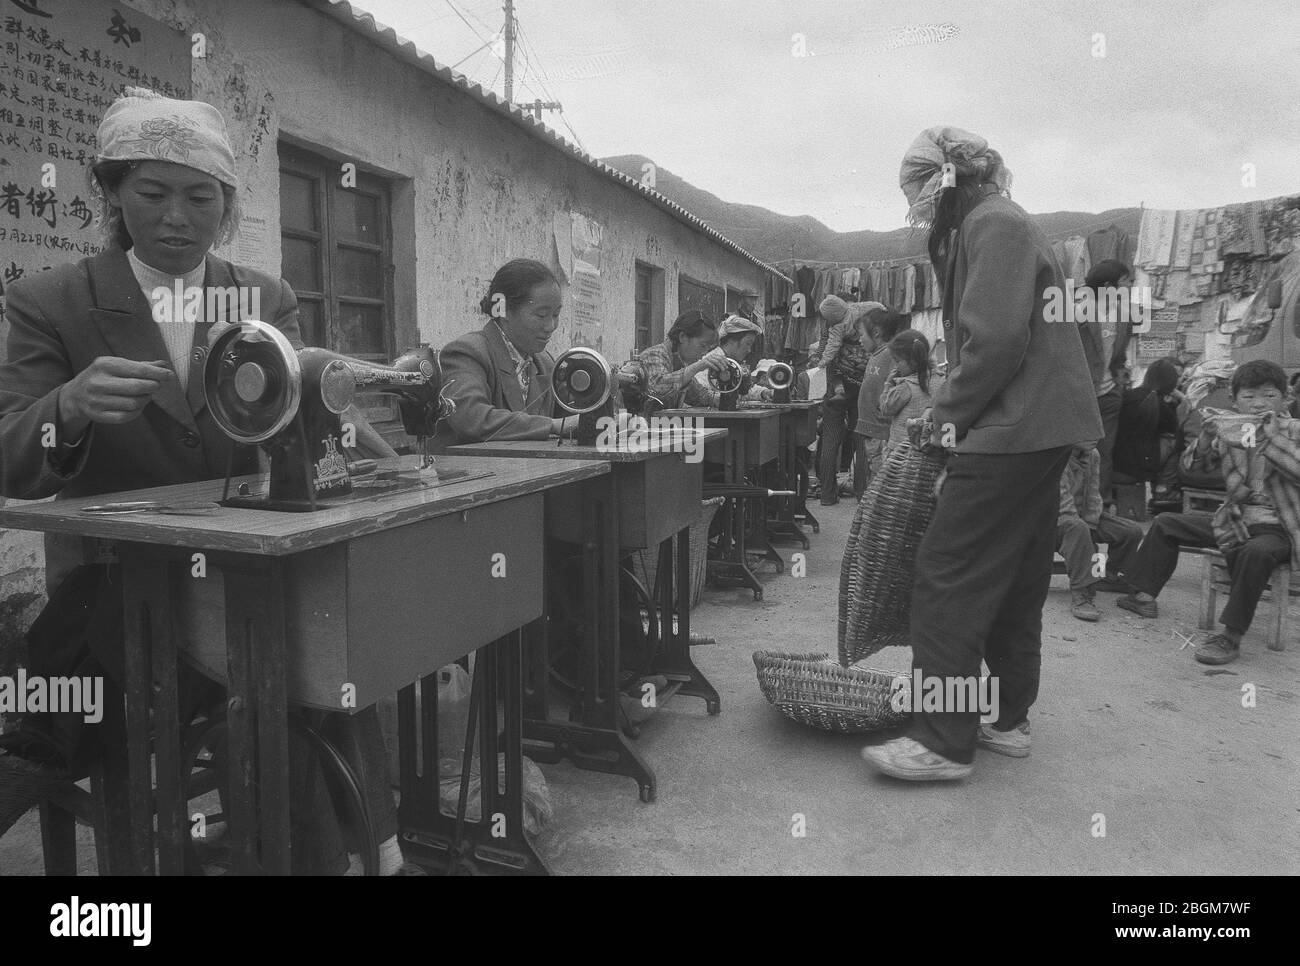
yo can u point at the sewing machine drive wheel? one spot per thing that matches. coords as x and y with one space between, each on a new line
322 769
638 631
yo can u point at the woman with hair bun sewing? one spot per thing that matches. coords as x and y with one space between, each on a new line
500 376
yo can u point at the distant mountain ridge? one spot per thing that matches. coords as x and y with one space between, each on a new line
769 235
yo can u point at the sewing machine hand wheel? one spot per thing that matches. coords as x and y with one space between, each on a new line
729 379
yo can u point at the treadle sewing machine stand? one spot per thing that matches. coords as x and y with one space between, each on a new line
495 843
646 499
293 607
751 442
798 428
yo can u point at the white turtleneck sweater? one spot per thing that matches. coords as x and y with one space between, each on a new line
177 331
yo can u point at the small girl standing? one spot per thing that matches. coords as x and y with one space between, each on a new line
911 385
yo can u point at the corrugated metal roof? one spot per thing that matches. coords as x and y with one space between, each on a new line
365 24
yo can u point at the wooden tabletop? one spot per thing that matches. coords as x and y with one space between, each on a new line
669 444
709 413
794 404
275 533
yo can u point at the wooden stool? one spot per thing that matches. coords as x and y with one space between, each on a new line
1215 580
1201 501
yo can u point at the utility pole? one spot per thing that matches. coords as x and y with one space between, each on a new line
540 105
510 51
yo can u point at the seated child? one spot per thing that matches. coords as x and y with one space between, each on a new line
1082 525
910 387
1262 505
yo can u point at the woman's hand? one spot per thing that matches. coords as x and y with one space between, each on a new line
109 390
560 429
714 359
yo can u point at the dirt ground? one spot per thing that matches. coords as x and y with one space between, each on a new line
1127 726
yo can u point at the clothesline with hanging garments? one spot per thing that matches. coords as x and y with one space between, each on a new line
859 263
904 285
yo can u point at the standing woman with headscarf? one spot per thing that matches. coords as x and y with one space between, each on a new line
93 353
1018 396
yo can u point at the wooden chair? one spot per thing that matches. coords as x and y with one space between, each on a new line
71 805
1216 580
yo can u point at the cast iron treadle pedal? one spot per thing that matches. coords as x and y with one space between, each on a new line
589 748
435 853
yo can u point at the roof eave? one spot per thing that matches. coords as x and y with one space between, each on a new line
385 37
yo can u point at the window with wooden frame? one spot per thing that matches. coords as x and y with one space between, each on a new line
649 305
709 299
643 298
336 253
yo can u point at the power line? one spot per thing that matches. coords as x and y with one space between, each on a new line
529 52
467 23
485 26
547 93
463 59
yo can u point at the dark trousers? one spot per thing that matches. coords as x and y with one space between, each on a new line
982 575
1250 566
1077 542
320 841
867 462
1109 404
837 425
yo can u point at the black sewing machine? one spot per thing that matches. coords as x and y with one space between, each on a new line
585 384
262 392
730 384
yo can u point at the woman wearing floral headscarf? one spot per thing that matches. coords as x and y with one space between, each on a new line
1018 396
97 351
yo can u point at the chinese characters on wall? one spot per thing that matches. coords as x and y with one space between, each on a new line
62 63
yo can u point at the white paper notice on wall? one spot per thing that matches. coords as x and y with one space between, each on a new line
587 237
562 229
250 244
587 295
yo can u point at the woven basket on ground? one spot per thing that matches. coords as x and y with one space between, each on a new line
879 563
645 563
814 690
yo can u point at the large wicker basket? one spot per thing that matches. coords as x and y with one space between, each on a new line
879 565
645 563
815 690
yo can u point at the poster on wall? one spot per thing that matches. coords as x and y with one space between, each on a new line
586 293
249 109
62 63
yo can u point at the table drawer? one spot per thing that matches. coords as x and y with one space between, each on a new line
381 610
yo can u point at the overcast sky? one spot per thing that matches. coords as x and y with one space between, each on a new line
1184 96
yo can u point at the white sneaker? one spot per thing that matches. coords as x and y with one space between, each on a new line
910 760
1013 743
